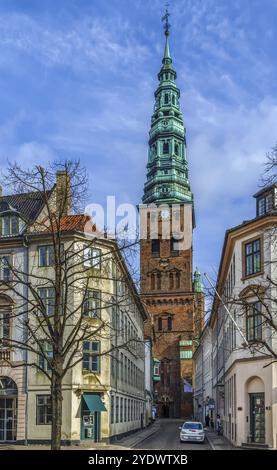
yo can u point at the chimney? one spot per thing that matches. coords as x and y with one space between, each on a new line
63 192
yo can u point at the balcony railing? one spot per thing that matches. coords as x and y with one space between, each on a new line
5 355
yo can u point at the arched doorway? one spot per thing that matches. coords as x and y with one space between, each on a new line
255 390
8 409
165 411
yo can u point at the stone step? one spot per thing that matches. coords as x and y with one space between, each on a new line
254 445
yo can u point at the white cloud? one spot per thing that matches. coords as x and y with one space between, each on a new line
89 42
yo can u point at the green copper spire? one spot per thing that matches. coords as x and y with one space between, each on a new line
167 168
166 51
197 283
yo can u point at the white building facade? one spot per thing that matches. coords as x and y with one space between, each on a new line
243 373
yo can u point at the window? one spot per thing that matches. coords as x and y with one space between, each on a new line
121 410
112 409
176 149
117 409
165 147
174 245
153 281
47 295
185 342
129 372
186 354
5 270
169 323
171 281
44 409
121 367
160 323
177 280
45 255
92 258
191 425
252 257
254 322
92 304
48 352
173 100
155 247
159 281
265 204
10 225
124 409
125 370
91 358
4 327
166 98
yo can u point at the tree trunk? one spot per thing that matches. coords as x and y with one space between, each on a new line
56 430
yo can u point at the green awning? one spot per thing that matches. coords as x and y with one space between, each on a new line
93 402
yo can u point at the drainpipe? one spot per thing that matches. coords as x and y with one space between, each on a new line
26 245
202 360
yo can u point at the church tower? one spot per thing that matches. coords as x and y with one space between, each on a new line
173 298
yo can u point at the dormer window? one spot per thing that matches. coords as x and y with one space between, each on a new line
9 225
265 204
266 200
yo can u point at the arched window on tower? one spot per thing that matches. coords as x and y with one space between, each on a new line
173 100
160 323
171 281
177 280
165 148
159 279
153 281
166 98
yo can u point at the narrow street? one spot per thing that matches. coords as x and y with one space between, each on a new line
167 438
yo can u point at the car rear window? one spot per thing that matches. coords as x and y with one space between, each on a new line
192 426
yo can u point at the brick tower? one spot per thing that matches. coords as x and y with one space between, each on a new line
173 298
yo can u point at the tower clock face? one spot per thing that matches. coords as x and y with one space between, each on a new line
165 214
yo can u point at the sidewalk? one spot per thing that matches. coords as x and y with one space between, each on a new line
138 437
218 442
128 442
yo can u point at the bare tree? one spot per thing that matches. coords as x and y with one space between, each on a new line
270 174
68 314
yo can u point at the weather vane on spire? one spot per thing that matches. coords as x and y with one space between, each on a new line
165 20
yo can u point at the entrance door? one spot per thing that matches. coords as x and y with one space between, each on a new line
90 426
8 419
257 417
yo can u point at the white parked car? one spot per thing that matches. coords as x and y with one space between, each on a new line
192 431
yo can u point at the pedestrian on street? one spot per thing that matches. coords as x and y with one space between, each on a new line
207 421
212 423
218 424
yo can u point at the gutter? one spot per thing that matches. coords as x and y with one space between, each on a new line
26 245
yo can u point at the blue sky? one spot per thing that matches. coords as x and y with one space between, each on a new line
77 79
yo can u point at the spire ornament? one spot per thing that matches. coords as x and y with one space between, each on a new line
165 20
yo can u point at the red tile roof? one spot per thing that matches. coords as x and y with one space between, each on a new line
78 222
